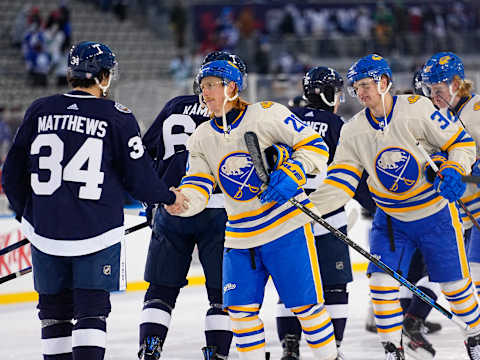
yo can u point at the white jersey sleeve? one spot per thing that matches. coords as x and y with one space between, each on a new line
281 125
197 185
343 176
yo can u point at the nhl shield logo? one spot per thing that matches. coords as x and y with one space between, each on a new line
107 270
397 169
238 178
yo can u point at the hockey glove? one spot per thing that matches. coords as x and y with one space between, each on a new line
284 182
276 155
476 169
438 158
450 186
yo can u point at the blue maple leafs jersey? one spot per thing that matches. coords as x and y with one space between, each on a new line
329 125
72 160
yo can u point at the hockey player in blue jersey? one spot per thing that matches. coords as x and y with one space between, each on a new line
73 158
322 93
264 234
385 139
174 238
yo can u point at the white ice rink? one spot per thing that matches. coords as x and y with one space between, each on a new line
20 329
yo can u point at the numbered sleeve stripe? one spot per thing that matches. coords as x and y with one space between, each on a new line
204 191
344 171
341 184
257 214
458 135
190 179
462 144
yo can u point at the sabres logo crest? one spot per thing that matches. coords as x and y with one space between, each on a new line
237 176
397 169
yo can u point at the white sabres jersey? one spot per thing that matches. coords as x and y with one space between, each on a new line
392 159
224 161
469 113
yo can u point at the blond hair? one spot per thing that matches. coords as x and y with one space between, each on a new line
465 87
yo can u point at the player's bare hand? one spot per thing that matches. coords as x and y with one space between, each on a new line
180 205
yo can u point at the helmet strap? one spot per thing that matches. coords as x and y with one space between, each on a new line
329 103
382 94
452 94
226 131
106 87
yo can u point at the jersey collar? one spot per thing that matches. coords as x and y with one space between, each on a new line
378 123
234 118
79 94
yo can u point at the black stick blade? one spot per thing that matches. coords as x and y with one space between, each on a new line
251 140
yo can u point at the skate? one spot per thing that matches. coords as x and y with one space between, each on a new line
431 327
151 348
291 347
340 355
473 347
415 343
210 353
392 352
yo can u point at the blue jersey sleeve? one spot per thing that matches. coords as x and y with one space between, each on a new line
136 165
15 176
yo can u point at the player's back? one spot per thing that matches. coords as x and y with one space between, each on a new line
166 139
81 156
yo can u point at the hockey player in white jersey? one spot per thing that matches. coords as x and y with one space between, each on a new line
443 78
265 235
382 139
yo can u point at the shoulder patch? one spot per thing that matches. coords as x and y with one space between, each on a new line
266 104
476 106
413 99
122 108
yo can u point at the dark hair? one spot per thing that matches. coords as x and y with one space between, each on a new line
86 83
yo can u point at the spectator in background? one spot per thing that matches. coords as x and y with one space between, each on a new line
383 28
20 26
120 9
38 62
178 21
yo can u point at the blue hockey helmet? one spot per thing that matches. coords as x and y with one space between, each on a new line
442 67
222 55
225 55
370 66
322 84
225 70
87 59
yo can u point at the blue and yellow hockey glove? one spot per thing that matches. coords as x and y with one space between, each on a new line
449 182
284 182
276 155
476 170
438 158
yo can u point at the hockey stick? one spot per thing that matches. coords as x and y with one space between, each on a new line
29 269
13 246
435 168
253 147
